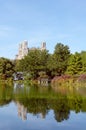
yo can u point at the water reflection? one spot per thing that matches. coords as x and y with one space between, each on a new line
39 101
22 111
18 86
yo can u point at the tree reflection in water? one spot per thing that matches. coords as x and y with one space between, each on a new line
40 100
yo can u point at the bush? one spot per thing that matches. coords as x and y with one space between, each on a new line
82 78
61 80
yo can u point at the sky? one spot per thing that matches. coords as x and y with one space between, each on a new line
37 21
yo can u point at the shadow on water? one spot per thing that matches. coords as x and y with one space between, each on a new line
40 100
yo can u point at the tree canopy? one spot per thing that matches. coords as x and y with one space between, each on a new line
75 64
34 62
60 62
6 68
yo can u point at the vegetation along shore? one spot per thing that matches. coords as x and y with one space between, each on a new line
61 66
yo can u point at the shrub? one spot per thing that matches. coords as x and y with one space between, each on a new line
61 79
82 78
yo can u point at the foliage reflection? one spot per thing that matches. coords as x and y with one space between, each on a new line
40 100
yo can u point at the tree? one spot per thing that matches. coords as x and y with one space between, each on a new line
37 61
6 68
34 62
61 56
83 56
44 57
75 64
51 66
20 65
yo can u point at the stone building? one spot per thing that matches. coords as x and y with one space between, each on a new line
43 46
23 49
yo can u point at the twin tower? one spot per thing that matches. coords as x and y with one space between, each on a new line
23 49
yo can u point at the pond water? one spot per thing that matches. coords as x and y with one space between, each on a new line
24 107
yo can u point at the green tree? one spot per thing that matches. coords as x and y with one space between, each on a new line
51 66
34 62
75 64
20 65
83 56
6 68
43 60
61 56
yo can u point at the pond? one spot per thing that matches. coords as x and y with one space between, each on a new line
24 107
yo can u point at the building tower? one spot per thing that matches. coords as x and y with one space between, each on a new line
23 50
43 46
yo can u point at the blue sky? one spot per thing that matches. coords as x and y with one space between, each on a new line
52 21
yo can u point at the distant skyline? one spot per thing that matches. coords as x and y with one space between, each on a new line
37 21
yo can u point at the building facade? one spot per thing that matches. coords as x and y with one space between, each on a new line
43 46
23 49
